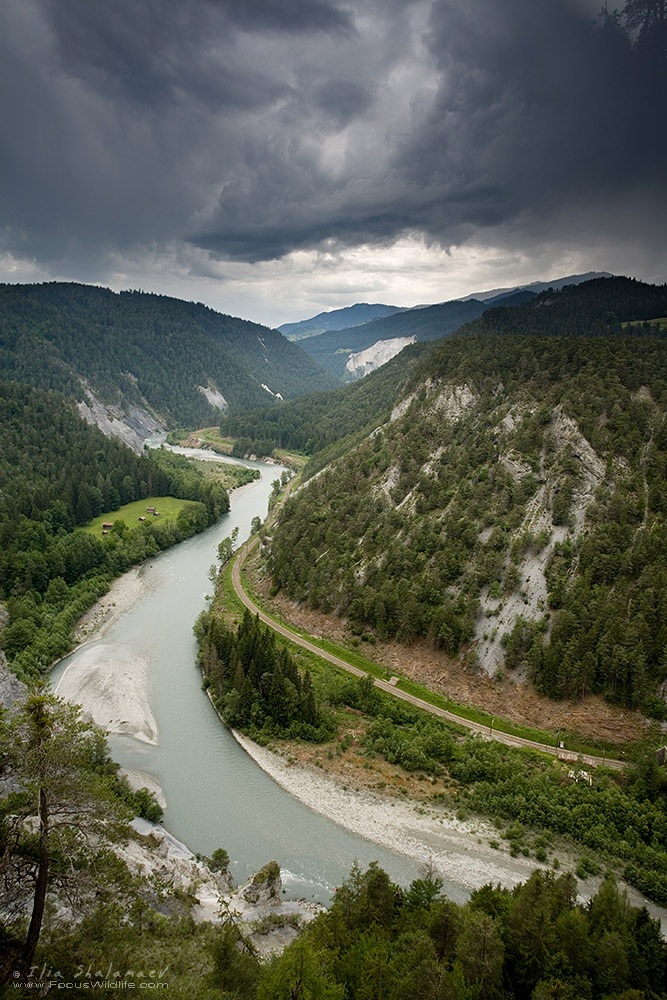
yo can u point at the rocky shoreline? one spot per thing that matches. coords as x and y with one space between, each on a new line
458 850
267 920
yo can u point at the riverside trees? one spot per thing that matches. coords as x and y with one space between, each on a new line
254 681
534 941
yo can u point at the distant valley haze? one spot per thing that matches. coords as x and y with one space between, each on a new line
276 161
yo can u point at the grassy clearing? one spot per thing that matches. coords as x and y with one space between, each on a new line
213 437
169 508
202 437
660 323
230 476
292 458
226 598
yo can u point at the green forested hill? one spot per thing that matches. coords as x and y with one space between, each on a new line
147 350
57 472
513 509
595 308
317 422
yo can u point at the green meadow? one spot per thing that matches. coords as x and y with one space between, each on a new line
169 508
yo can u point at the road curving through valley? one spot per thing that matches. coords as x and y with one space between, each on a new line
487 732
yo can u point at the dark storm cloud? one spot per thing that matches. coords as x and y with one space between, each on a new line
154 51
540 116
254 128
537 109
286 15
342 100
122 119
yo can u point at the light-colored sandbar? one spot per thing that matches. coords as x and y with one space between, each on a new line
111 684
123 593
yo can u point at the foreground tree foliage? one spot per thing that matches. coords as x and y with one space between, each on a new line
59 818
535 941
379 942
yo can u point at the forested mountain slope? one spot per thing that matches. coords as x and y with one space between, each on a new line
56 472
180 361
512 509
595 308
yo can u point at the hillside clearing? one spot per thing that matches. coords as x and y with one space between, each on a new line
168 509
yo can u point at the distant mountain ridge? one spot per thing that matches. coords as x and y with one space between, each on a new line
495 295
337 319
322 423
334 346
333 349
146 359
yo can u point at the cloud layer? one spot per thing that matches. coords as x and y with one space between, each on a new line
209 131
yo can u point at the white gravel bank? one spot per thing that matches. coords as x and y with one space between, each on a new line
458 850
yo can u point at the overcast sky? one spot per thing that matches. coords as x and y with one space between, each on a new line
274 158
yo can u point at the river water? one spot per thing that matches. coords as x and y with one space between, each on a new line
216 795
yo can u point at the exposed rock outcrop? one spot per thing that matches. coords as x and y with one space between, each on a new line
258 906
264 887
132 427
11 688
363 362
215 398
529 600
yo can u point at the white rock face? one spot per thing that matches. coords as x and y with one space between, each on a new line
378 354
214 397
131 427
11 688
530 600
454 400
276 395
402 407
448 401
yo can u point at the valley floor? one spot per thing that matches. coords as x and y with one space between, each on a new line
459 849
